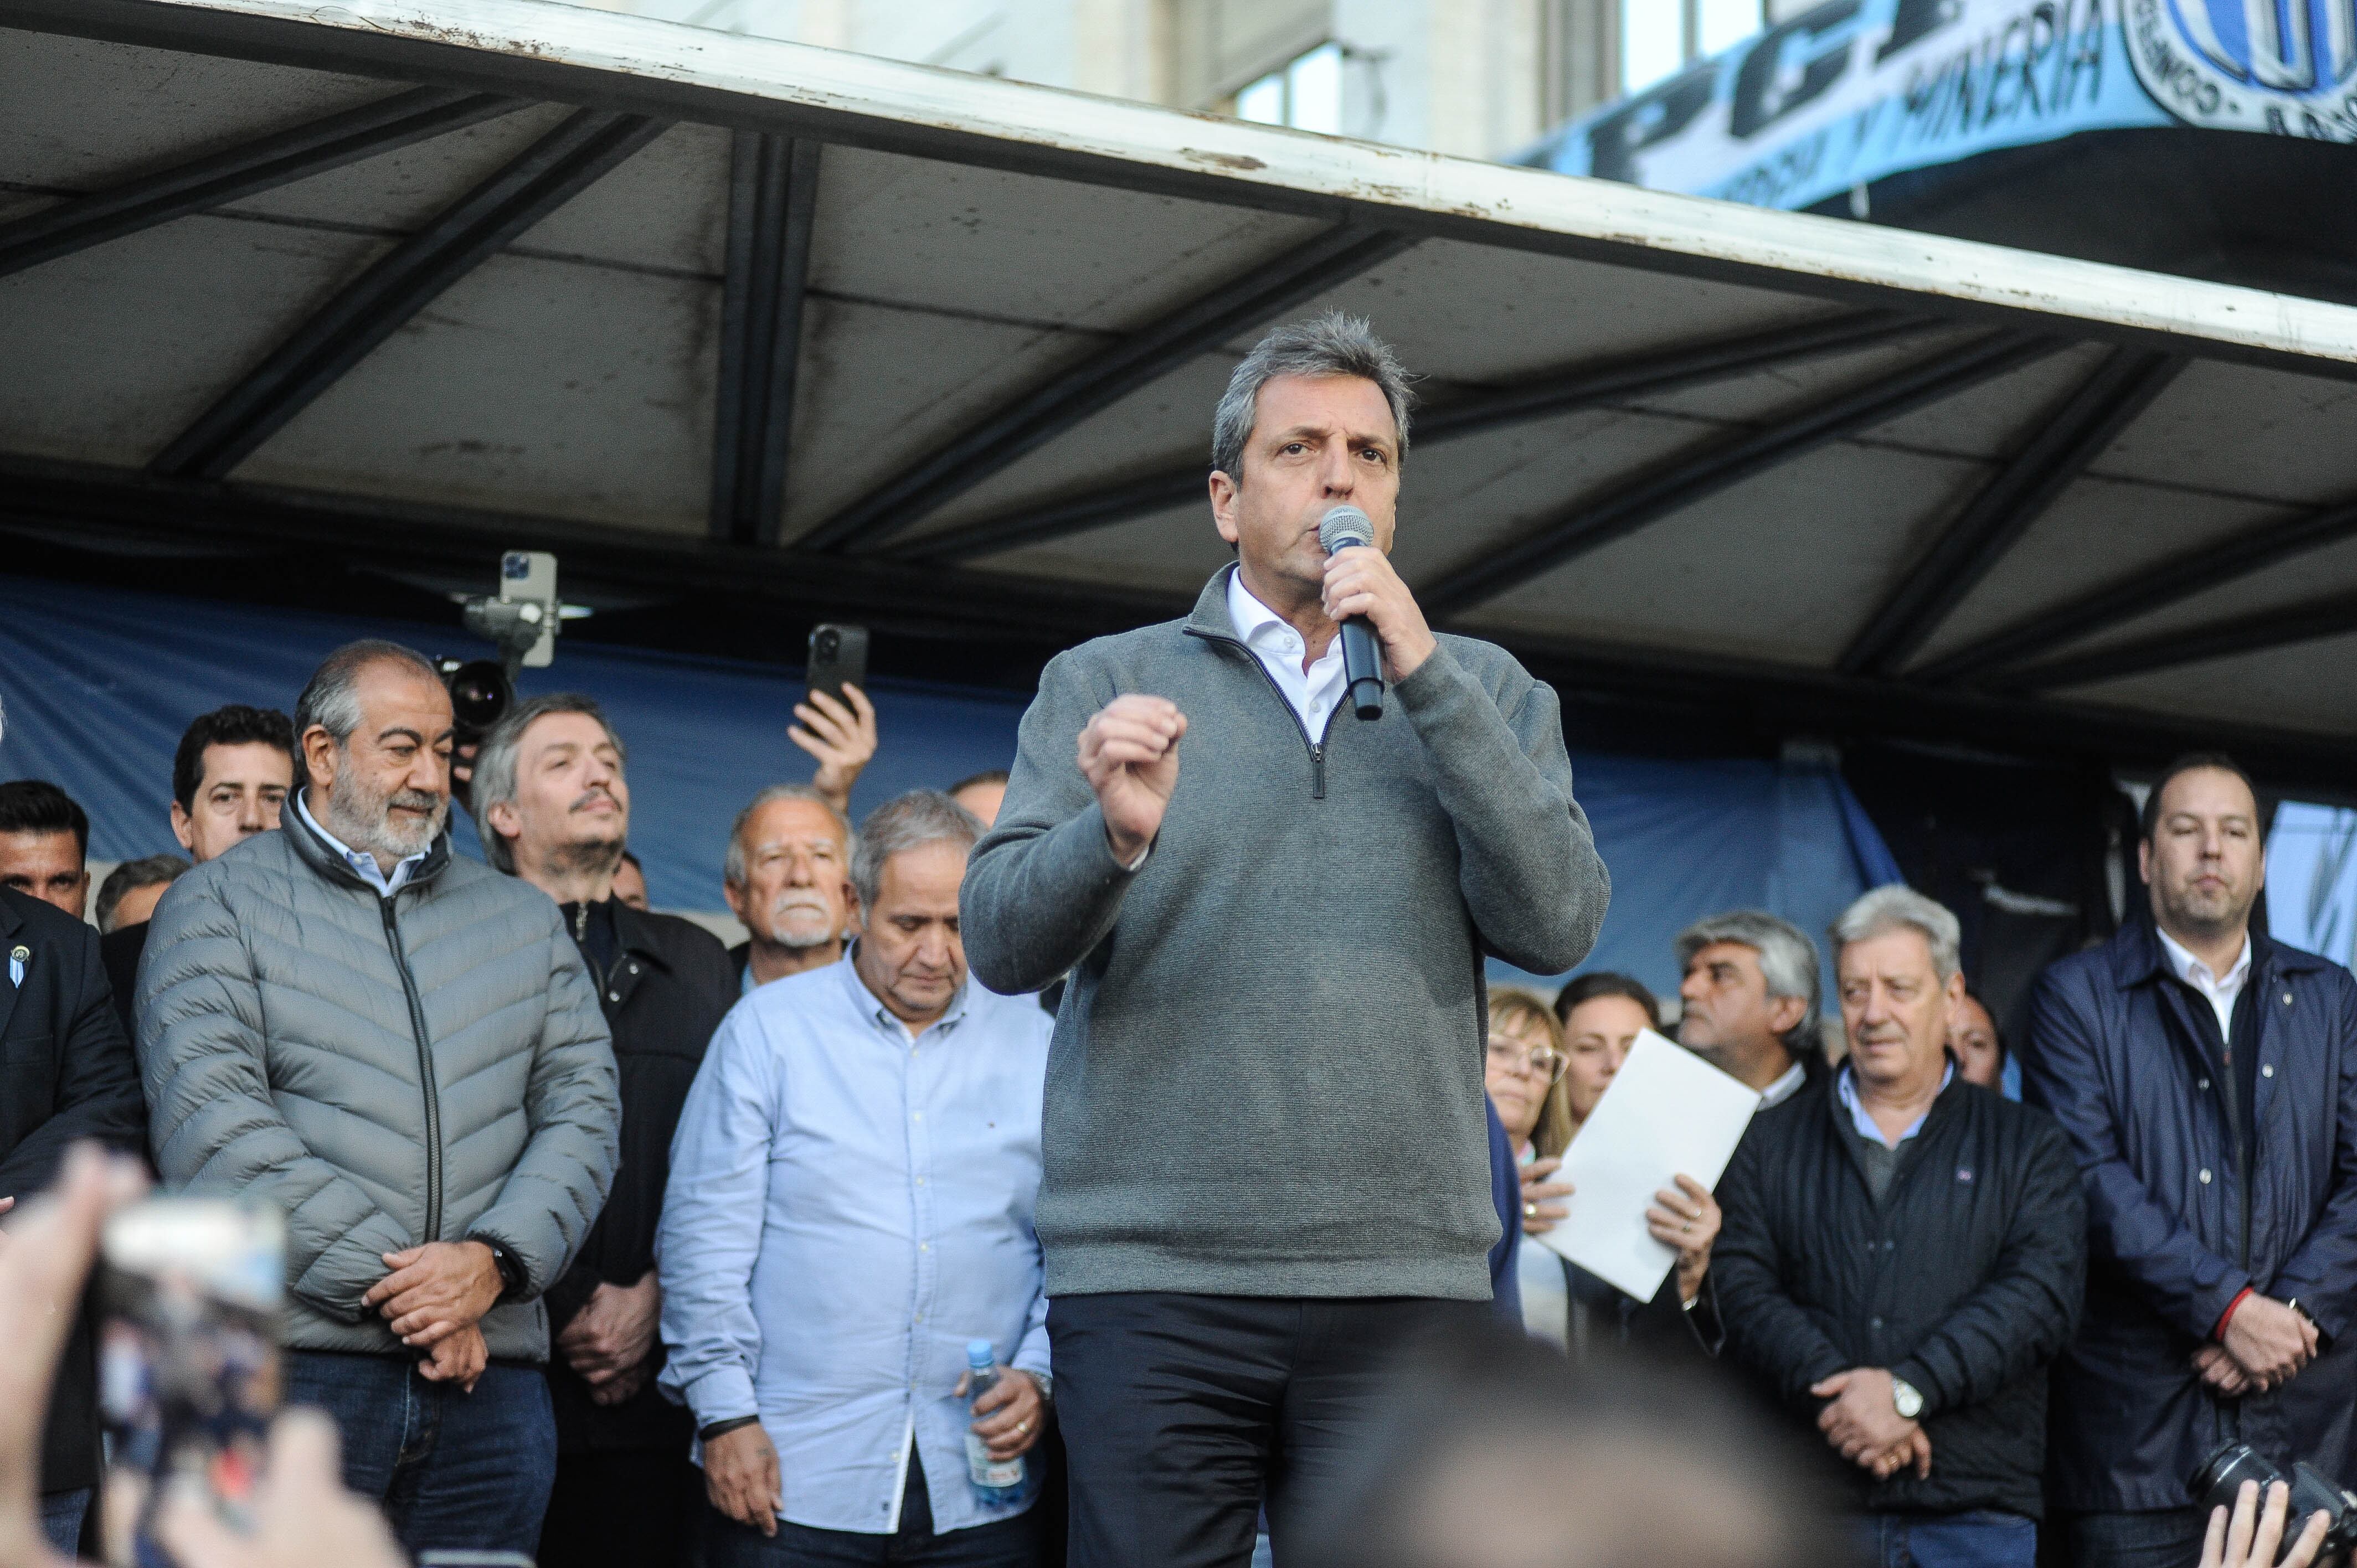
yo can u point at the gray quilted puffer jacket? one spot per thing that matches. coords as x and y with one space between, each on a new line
428 1067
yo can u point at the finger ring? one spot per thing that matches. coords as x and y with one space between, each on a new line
1530 1211
1022 1426
1688 1225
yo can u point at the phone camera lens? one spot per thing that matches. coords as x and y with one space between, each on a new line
827 645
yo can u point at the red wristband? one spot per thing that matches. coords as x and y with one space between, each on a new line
2228 1315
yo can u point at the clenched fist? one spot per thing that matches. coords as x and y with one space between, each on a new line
1129 754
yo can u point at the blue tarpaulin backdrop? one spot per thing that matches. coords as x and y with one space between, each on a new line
99 684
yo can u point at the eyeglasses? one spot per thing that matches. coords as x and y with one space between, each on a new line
1544 1060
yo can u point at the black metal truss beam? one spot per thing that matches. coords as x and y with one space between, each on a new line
247 170
85 507
2077 432
2157 586
1479 414
2252 633
1590 524
772 199
559 167
1062 401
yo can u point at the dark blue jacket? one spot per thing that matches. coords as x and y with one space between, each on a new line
2128 1058
1506 1194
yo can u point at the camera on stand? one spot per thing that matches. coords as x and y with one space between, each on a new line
521 619
2221 1476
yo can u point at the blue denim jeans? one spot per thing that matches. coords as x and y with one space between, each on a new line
1982 1538
61 1519
453 1471
2158 1538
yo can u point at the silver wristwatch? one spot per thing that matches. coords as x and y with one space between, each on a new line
1903 1395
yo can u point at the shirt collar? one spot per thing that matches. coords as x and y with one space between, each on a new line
1784 1088
1260 628
1865 1124
2194 973
360 861
869 1006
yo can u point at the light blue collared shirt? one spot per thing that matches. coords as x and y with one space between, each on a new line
846 1208
360 860
1865 1124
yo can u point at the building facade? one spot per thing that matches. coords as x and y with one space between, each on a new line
1475 78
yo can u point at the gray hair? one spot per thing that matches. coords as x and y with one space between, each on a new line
733 869
1899 908
905 822
132 875
331 699
1329 345
1788 959
495 765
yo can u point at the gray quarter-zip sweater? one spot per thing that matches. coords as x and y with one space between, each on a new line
1267 1074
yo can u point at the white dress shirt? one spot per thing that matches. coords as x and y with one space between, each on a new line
1313 693
360 860
1784 1088
2220 991
847 1206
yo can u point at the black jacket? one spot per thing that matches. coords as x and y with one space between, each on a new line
668 989
2182 1218
119 950
66 1073
1964 1281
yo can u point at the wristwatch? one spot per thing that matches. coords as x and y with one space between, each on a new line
512 1275
1904 1396
1047 1383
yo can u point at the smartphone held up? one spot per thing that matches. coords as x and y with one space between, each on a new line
189 1374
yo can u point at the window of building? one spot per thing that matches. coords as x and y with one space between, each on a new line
1658 37
1305 94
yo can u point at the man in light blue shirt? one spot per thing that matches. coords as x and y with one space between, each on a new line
850 1203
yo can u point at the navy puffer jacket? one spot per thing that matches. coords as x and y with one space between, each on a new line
2128 1058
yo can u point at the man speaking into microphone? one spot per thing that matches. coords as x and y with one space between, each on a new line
1266 1151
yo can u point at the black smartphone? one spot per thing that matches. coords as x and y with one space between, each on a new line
838 657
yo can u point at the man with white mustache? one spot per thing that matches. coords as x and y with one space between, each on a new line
402 1051
787 878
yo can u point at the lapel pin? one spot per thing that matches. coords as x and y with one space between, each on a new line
17 958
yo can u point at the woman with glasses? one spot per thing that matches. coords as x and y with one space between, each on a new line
1546 1076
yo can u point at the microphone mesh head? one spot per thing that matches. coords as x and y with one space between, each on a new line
1344 527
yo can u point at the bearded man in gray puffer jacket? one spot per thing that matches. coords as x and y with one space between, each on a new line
404 1052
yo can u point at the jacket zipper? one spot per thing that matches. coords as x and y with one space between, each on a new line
581 940
424 1075
1317 747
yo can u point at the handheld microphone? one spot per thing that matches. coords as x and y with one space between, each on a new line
1362 654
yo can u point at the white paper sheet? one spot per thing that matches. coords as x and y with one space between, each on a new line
1666 1112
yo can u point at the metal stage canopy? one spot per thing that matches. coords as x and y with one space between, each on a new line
400 282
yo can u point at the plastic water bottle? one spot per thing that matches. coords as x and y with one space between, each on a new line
997 1482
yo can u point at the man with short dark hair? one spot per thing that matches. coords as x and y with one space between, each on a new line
855 1176
631 882
127 898
982 793
2207 1077
1903 1256
1267 1151
1750 1001
45 845
1976 1043
551 797
229 776
66 1074
402 1051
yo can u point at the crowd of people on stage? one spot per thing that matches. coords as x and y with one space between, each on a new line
607 1242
